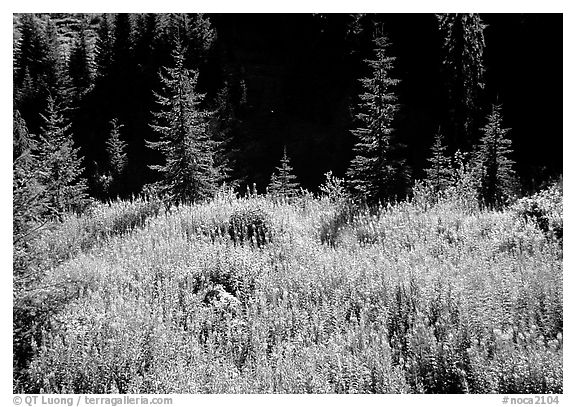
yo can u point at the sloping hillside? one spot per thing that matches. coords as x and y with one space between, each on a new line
418 297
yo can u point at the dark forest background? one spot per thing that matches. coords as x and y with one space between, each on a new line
283 80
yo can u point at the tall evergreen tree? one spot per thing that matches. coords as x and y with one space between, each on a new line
121 44
283 181
225 128
498 181
61 163
54 78
103 47
116 148
29 50
378 171
80 65
143 43
463 43
193 32
29 198
122 70
38 69
439 172
117 161
188 173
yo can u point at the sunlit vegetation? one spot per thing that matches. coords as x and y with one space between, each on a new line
417 296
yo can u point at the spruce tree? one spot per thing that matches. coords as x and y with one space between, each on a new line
29 198
378 171
188 173
55 77
439 173
225 127
144 45
492 160
121 43
463 44
38 67
29 50
103 48
193 32
283 181
121 79
116 149
61 163
117 160
80 66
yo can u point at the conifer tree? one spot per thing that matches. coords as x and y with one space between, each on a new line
144 43
29 50
378 171
188 173
492 160
29 208
283 181
116 148
193 32
103 48
61 163
55 78
122 70
121 43
439 173
117 160
38 67
463 43
80 65
29 198
225 128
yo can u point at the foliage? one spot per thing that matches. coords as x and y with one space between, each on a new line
545 209
188 174
377 172
498 183
283 182
419 300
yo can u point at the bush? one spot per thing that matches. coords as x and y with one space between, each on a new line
333 188
544 209
249 223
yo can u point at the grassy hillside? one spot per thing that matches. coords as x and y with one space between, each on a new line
420 296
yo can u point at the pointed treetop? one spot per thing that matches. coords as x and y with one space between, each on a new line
283 182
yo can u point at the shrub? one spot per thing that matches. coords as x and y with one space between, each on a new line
544 209
249 223
333 188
